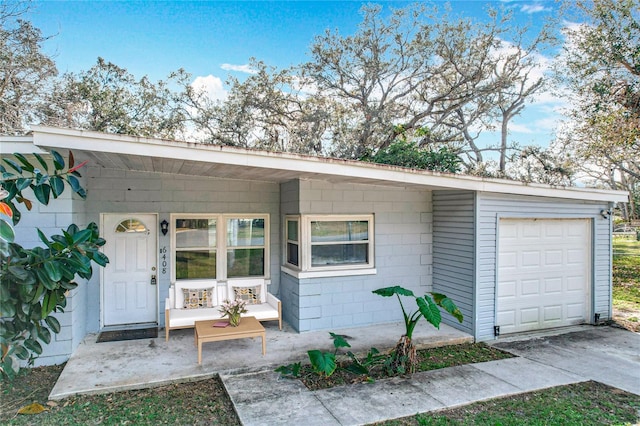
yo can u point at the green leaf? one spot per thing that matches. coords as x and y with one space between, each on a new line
58 161
43 238
7 309
357 368
33 346
74 182
82 236
15 166
44 279
53 271
6 231
339 341
48 304
429 310
42 192
53 323
322 362
391 291
26 165
100 258
21 275
57 186
448 305
45 335
21 352
23 183
290 370
43 163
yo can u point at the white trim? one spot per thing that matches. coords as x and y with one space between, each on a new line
156 251
305 166
221 242
328 273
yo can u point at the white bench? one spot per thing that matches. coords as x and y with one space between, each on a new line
266 306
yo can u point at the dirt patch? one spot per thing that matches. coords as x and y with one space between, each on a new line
627 316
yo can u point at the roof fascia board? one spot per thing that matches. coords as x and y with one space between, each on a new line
118 144
19 145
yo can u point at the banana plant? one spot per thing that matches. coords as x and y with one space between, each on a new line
404 357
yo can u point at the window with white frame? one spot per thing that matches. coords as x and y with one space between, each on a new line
329 242
219 246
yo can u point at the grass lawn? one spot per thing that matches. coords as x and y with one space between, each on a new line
587 403
201 402
626 283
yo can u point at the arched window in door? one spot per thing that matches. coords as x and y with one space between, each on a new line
131 225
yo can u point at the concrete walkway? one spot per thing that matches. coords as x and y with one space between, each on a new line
262 397
605 354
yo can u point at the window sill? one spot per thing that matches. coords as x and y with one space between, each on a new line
326 274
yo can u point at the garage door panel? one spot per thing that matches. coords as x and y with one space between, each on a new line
553 313
530 287
553 286
548 286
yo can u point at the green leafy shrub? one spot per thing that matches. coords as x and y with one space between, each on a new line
34 283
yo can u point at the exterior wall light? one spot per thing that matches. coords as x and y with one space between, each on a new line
164 227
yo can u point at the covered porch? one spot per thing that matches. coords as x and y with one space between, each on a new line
135 364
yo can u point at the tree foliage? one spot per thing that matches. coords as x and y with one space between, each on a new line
107 98
601 68
25 71
409 154
34 283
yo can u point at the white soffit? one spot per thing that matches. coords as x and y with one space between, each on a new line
145 154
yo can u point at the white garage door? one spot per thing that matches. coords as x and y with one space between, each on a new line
543 273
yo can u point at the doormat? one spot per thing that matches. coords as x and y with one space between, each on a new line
139 333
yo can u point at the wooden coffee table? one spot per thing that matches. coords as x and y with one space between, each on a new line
206 332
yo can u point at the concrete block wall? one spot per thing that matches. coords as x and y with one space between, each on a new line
51 220
403 250
117 191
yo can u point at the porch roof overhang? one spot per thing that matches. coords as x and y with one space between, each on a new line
196 159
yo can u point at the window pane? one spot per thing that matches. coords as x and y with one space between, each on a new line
339 254
292 254
344 230
195 233
292 230
195 264
245 262
245 232
131 225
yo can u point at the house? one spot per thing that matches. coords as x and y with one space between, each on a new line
324 233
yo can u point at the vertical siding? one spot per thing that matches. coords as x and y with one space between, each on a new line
491 207
454 252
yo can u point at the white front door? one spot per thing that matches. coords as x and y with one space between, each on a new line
129 285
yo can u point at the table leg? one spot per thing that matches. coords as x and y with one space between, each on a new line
200 352
264 344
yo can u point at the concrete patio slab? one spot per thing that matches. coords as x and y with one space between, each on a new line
134 364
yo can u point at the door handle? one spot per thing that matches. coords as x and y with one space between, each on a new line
153 280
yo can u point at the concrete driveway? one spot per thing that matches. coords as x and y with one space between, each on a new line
605 354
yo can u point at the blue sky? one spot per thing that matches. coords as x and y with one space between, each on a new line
213 38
